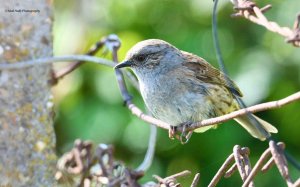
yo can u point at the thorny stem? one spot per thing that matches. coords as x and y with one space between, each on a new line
250 11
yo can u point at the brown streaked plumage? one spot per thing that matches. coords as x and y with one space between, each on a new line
179 87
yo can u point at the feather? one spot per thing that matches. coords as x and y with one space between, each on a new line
205 72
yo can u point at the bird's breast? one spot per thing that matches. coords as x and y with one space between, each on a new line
174 102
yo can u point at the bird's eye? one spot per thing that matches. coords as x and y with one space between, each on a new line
140 58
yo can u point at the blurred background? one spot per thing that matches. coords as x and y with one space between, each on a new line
89 105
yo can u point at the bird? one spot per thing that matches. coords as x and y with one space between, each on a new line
181 88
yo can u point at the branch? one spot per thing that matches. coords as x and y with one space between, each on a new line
104 41
94 168
108 42
252 109
195 180
277 155
66 70
221 171
240 161
250 11
49 60
171 180
145 165
212 121
133 108
138 112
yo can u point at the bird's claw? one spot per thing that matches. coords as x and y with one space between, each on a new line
184 136
172 132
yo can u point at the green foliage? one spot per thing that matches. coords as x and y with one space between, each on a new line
89 105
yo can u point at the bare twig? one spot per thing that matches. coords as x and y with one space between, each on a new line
135 110
180 174
257 167
230 171
114 45
242 162
76 60
106 151
296 32
245 151
268 165
145 165
280 161
239 161
256 108
94 167
78 161
73 162
49 60
110 42
250 11
297 183
252 109
195 180
92 51
112 173
171 180
221 171
276 151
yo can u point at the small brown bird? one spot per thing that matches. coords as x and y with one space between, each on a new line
180 88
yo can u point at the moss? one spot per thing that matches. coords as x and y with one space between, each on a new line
24 110
2 25
15 54
43 119
27 133
29 77
27 30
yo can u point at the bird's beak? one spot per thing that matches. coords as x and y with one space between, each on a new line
123 64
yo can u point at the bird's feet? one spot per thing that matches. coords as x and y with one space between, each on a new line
185 134
172 132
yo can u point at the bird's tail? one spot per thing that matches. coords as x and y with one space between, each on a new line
261 132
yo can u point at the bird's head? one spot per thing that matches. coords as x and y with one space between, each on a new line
151 57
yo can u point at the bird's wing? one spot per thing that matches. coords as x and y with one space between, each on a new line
205 72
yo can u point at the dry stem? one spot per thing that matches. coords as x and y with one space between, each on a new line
253 13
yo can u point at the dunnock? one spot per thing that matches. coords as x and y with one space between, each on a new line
180 88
